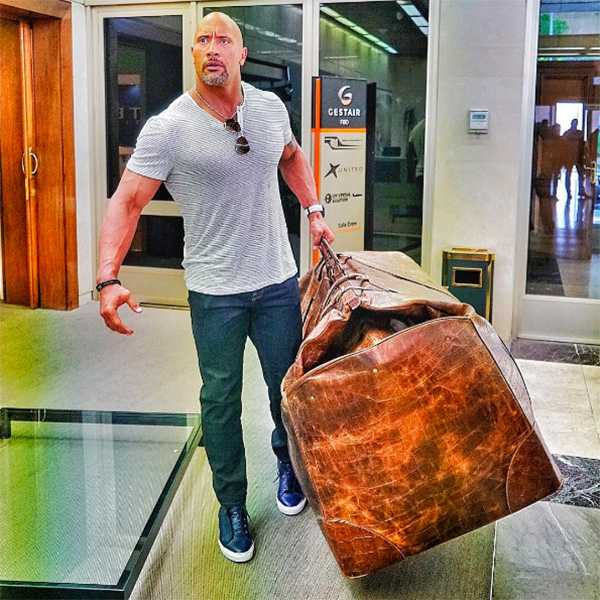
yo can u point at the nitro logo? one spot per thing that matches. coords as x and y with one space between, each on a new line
338 169
345 95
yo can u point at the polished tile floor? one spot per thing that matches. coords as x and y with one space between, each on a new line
564 244
548 551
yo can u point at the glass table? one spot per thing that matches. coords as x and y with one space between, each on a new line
83 495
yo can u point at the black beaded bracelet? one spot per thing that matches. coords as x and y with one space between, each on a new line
103 284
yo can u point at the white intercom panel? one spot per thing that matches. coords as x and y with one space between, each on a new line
479 121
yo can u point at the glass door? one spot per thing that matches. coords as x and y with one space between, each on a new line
562 299
386 44
144 66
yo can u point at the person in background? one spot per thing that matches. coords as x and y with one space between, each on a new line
416 141
573 156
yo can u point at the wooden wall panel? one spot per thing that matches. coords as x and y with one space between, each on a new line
12 182
561 89
49 149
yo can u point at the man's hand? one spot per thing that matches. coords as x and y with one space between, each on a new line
319 229
111 298
118 228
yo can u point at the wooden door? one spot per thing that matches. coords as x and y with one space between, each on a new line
19 286
39 248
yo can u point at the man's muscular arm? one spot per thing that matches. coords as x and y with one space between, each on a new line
118 228
297 173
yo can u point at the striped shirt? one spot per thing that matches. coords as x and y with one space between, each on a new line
235 231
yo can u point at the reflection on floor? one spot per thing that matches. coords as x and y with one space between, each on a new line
564 244
548 551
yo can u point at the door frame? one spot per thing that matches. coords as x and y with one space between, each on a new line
535 316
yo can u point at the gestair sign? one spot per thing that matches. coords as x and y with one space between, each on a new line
340 142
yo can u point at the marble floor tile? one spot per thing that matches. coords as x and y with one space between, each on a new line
574 437
588 355
560 395
561 352
591 373
562 401
581 486
548 551
541 375
541 350
592 380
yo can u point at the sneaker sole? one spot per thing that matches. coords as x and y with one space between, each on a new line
237 557
291 511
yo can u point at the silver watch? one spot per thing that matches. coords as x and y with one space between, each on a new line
315 208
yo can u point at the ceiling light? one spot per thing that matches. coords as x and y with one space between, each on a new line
420 22
411 10
425 30
558 48
360 30
330 12
560 54
346 22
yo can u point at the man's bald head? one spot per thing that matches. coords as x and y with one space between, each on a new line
218 49
218 21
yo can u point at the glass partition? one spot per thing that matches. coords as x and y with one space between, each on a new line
564 224
386 43
143 72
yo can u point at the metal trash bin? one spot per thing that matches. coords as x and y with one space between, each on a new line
468 273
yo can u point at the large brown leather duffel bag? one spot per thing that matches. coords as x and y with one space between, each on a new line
409 422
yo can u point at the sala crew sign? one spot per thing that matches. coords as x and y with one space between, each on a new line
340 142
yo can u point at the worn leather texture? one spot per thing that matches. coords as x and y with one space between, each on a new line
409 422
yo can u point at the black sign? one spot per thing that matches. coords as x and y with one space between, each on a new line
343 105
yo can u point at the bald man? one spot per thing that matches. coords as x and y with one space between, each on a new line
218 148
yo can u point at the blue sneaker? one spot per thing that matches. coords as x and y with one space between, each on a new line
235 540
290 499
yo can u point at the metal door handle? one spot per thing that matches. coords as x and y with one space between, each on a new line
33 155
37 162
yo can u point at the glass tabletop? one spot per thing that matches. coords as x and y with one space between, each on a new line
83 495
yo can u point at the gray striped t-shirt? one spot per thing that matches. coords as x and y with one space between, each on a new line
235 232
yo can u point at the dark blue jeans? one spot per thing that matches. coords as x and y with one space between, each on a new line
221 324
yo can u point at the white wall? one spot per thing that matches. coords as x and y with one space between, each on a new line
475 187
83 153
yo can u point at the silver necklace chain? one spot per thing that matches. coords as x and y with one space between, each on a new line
197 93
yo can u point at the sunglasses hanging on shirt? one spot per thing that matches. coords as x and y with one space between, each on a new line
232 124
241 144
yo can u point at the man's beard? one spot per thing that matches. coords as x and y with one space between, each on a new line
214 79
